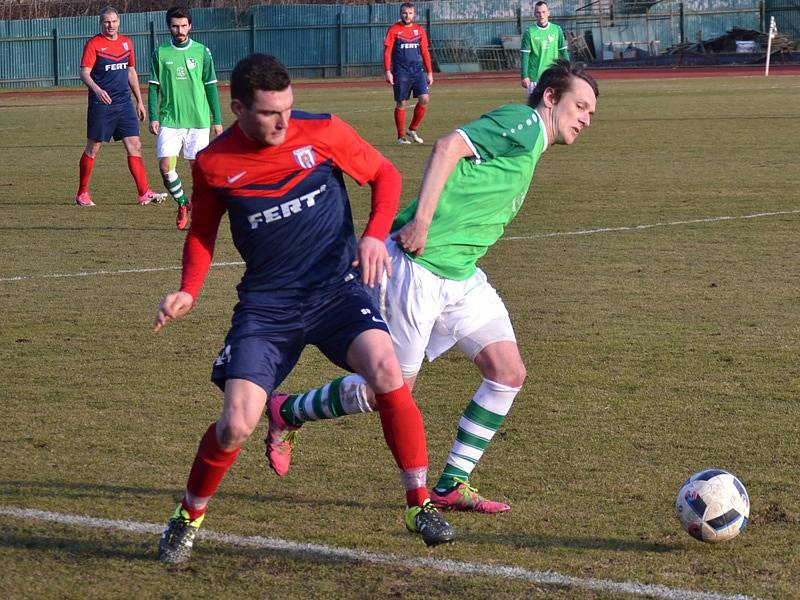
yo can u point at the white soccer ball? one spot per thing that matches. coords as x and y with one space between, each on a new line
713 506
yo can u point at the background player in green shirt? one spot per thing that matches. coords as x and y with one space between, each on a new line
542 44
474 184
183 90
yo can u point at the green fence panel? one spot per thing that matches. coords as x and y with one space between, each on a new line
317 40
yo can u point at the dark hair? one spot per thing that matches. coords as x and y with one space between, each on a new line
540 3
407 5
178 12
258 72
559 77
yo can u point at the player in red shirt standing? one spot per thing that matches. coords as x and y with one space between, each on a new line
408 68
278 173
108 70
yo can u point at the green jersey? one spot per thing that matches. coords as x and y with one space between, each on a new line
483 193
183 75
541 47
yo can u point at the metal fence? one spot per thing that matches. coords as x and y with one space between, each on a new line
347 40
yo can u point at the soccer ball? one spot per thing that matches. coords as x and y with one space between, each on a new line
713 506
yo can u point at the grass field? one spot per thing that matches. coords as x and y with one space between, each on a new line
652 279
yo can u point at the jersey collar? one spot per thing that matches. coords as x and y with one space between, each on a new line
184 47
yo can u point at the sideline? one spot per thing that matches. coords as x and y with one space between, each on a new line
487 77
450 567
535 236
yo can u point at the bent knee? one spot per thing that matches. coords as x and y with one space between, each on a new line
516 376
234 433
511 375
385 374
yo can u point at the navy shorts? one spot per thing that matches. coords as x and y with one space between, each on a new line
407 83
265 341
104 121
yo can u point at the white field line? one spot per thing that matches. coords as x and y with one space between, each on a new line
117 272
534 236
450 567
651 225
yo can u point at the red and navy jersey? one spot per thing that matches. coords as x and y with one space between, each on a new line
109 61
288 207
405 49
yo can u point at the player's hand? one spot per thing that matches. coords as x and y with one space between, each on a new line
154 127
373 258
389 78
103 96
141 112
526 83
217 129
429 77
412 237
173 306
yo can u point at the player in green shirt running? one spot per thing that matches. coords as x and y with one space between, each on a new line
542 44
184 80
436 297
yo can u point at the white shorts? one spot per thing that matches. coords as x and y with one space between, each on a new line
428 314
170 140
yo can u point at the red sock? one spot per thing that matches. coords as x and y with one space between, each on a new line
136 167
193 513
400 121
419 112
405 435
210 465
417 497
86 164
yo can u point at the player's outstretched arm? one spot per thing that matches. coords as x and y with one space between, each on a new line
173 306
372 256
447 151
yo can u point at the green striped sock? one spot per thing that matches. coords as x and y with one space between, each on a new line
482 418
174 186
343 396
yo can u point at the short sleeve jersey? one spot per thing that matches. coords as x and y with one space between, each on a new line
483 193
288 207
182 74
109 61
543 46
409 49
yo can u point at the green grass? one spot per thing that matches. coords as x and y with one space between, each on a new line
651 353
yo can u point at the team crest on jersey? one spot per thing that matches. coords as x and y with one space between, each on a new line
416 32
305 157
125 45
191 63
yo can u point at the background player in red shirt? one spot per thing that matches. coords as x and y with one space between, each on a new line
408 67
278 173
108 70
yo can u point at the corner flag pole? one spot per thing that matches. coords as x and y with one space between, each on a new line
773 29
